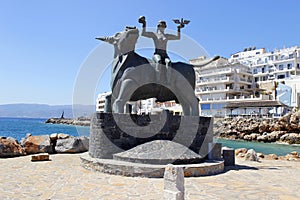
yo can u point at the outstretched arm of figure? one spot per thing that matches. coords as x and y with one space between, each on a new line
175 37
145 33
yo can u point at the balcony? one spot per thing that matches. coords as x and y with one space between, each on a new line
210 91
216 72
214 81
234 98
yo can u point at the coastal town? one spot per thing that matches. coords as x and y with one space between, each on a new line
149 100
253 82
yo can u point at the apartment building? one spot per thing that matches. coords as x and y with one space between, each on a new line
271 68
101 101
278 64
222 82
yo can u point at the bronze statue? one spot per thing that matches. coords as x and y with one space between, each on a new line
135 77
160 39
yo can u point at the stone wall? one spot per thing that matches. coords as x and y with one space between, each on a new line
107 138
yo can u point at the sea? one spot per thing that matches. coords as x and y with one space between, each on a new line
19 127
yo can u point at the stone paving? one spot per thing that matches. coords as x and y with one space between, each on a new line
64 178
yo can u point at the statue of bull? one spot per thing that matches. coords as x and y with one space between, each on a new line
135 77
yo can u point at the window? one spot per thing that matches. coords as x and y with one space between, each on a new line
291 56
263 70
280 76
256 79
257 53
264 78
298 65
254 71
280 67
235 56
290 66
205 106
217 106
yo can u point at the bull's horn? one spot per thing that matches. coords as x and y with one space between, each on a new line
208 62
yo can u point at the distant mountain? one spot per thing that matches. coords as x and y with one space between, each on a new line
44 110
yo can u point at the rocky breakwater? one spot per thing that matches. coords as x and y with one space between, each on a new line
80 121
54 143
251 155
285 129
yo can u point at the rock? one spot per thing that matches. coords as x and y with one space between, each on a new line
251 137
271 157
260 155
173 183
37 144
53 136
79 121
72 145
291 138
294 153
285 118
241 155
40 157
295 118
251 155
63 136
241 150
9 147
262 138
264 127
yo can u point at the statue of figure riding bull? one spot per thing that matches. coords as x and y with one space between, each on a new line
135 77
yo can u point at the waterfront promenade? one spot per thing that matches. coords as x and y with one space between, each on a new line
64 178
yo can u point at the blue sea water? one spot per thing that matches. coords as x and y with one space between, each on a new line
265 148
19 127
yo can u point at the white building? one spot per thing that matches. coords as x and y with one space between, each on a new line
280 65
222 82
101 101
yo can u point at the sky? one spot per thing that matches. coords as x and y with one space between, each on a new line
43 44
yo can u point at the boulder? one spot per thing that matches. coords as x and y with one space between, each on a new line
54 136
37 144
294 153
241 150
251 137
251 155
260 155
271 157
240 155
63 136
262 138
295 118
9 147
72 145
291 138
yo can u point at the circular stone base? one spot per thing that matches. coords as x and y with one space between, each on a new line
124 168
160 152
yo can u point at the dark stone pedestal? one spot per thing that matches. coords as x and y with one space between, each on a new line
114 133
228 156
215 151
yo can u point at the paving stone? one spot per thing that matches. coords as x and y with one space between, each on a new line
23 179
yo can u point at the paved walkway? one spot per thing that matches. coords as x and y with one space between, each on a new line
64 178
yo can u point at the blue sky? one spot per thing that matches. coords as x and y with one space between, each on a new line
44 43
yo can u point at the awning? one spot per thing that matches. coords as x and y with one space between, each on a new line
257 104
